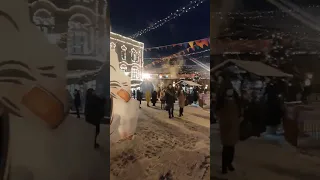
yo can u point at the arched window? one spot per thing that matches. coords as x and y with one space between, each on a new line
134 72
43 19
139 57
133 55
81 35
123 53
123 67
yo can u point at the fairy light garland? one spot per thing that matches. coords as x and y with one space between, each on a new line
179 44
189 54
262 13
192 5
298 32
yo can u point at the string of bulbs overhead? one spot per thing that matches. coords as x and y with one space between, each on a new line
192 5
189 54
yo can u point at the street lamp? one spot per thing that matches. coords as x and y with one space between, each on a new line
146 76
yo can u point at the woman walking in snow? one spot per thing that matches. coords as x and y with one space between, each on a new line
182 101
228 111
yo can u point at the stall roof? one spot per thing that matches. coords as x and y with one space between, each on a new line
189 83
255 67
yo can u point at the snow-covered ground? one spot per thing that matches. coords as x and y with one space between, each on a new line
69 149
259 158
164 148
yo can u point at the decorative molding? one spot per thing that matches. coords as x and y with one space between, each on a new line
129 40
115 39
72 8
71 19
132 64
40 20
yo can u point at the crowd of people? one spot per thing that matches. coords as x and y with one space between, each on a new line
244 112
167 97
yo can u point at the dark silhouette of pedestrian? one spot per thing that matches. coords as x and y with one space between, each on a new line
228 110
134 94
94 112
77 102
195 95
154 98
139 97
170 99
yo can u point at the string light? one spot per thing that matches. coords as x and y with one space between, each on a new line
264 12
166 58
192 5
189 54
177 44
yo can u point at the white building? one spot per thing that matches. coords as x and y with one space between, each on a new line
130 54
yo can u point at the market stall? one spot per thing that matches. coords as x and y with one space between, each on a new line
252 75
254 67
252 78
188 83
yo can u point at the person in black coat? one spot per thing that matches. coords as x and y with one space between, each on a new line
134 94
195 95
94 112
170 99
77 102
274 109
154 97
139 97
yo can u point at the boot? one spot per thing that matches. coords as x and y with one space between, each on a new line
231 168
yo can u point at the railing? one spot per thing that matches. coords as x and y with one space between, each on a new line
302 124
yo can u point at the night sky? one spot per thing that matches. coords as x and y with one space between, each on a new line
264 5
128 17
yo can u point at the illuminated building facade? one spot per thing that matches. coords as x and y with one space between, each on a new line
130 54
80 28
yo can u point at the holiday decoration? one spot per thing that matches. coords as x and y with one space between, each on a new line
192 5
202 43
188 54
223 46
176 55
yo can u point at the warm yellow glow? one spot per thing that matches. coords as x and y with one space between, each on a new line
146 76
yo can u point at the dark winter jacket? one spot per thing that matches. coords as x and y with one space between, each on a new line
77 99
94 109
170 96
139 95
154 97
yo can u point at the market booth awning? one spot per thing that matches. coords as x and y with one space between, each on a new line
254 67
188 83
